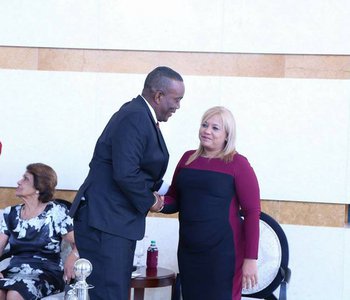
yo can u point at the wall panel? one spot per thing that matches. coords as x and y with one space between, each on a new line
282 125
58 48
292 27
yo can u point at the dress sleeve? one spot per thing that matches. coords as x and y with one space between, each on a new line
3 223
248 194
170 199
62 221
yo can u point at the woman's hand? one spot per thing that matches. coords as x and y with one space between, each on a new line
69 266
1 276
250 273
71 258
158 204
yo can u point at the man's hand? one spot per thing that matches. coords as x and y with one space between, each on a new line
158 204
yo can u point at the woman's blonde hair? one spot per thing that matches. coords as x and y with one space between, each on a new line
229 124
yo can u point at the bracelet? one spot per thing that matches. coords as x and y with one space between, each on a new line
76 254
155 202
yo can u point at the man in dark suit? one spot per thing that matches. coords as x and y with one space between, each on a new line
129 161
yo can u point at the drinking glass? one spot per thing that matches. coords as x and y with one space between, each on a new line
139 252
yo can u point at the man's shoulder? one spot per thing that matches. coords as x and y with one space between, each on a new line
135 106
131 113
137 102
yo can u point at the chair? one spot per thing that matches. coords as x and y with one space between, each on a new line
272 263
65 249
65 202
273 259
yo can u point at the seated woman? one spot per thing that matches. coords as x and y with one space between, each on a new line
35 230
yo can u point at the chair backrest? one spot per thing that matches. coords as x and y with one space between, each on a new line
273 259
65 202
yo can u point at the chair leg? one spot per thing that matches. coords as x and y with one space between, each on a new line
283 291
283 286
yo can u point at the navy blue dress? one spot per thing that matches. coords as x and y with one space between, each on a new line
36 268
213 238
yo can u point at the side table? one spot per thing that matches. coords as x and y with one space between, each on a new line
152 278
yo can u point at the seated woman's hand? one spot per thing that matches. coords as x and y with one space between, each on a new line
69 266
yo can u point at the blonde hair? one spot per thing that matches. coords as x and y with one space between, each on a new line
229 124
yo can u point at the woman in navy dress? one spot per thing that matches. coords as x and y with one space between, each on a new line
34 231
217 249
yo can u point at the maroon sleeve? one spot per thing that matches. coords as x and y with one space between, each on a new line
170 198
248 195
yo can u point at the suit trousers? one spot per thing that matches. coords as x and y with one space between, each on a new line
111 257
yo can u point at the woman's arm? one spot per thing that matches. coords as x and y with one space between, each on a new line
3 242
171 204
248 193
71 258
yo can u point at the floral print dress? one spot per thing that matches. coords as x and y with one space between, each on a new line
36 268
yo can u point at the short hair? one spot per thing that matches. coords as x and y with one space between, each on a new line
229 125
45 180
159 78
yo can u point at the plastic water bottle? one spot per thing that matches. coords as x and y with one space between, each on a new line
152 255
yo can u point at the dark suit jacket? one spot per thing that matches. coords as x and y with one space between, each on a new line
129 161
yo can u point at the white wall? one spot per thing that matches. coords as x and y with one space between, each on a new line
294 131
295 127
289 26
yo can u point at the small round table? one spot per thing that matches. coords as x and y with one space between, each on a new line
152 278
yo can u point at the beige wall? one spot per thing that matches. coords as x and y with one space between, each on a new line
287 212
210 64
203 64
